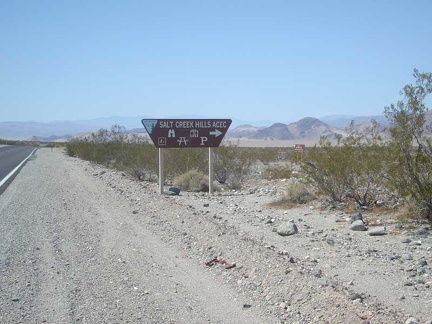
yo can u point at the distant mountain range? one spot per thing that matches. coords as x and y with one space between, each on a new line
307 128
56 130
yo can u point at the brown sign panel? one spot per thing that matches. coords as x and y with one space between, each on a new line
178 133
299 147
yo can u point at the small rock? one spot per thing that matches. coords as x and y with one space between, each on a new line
358 225
412 320
356 217
287 228
407 240
327 282
423 263
393 256
355 296
15 298
376 231
174 191
330 241
408 257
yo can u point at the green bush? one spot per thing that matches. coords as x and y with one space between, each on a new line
232 164
410 147
115 149
140 161
354 168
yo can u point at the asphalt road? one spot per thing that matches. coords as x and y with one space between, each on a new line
11 159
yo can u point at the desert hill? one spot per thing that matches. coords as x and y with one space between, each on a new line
308 128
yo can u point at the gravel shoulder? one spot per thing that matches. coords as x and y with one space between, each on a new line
82 243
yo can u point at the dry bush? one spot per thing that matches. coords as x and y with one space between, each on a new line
193 180
295 194
141 173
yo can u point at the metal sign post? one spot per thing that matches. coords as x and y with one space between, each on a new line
161 170
210 170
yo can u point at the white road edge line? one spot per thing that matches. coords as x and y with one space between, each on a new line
16 169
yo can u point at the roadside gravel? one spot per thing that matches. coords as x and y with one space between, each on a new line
81 243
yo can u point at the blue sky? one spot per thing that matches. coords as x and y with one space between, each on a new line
249 60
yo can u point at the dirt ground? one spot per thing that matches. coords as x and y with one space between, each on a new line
80 243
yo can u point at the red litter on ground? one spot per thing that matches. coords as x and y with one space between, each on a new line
223 262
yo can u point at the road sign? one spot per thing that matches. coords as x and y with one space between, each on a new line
186 133
299 148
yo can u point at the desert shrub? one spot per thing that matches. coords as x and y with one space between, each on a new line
193 180
178 161
71 148
223 162
323 168
84 149
104 146
278 172
354 168
141 173
410 147
232 164
297 193
140 161
115 149
267 155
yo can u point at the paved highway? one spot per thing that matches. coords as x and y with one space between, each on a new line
12 158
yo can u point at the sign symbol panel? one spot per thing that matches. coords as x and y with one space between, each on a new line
162 141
